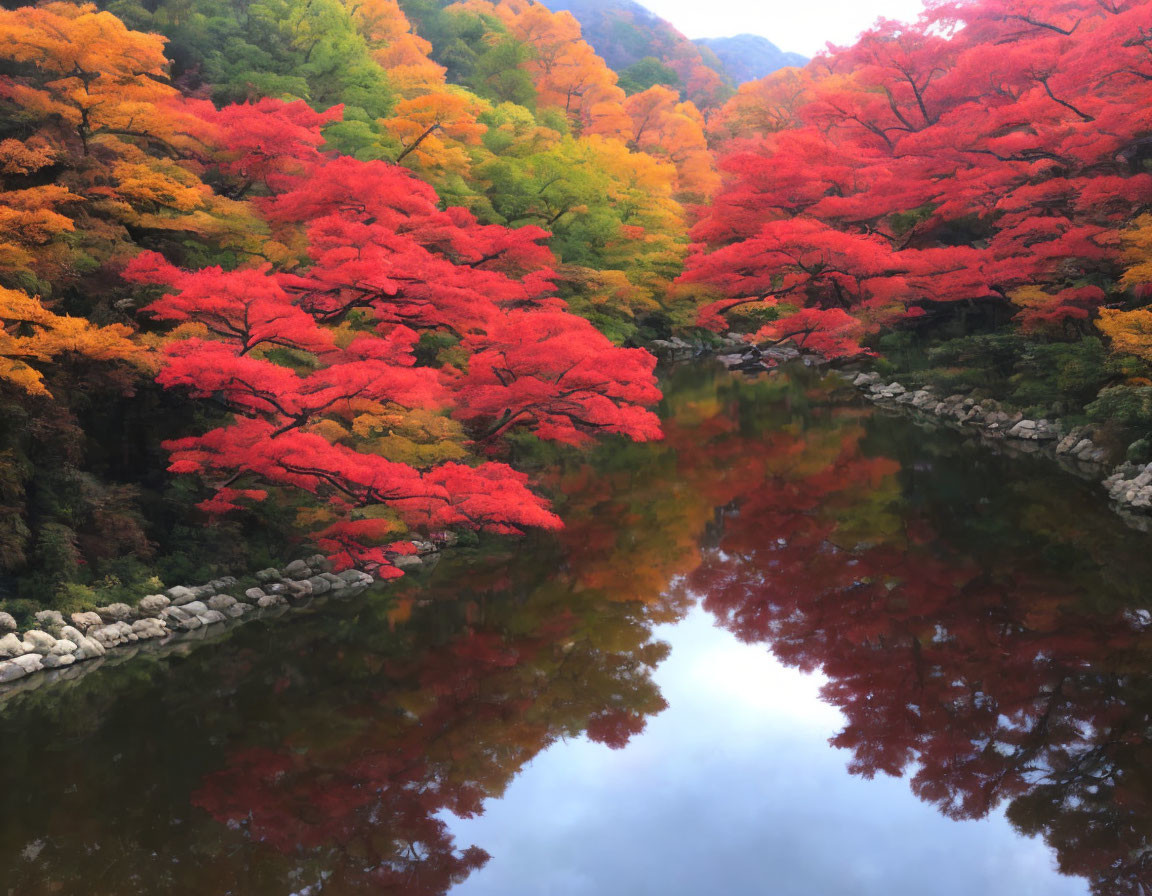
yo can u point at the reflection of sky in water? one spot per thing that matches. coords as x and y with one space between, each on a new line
734 789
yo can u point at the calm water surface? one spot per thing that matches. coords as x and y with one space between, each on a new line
799 647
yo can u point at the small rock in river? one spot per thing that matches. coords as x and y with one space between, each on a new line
297 569
89 649
221 602
298 589
11 646
149 628
181 595
37 641
49 621
319 562
7 623
1069 442
30 662
11 671
115 612
112 634
153 605
355 577
86 621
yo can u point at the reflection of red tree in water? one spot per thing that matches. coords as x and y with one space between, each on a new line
635 528
991 684
295 807
442 728
451 724
988 683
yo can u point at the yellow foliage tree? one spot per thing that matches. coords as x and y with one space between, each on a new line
766 106
30 221
1130 332
1138 251
32 336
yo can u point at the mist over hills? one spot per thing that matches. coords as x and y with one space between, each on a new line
624 32
748 57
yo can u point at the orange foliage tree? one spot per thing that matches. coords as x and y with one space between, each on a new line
566 71
668 129
395 46
99 135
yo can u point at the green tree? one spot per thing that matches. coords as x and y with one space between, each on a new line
648 72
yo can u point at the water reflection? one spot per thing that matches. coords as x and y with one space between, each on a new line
989 640
980 623
441 724
735 790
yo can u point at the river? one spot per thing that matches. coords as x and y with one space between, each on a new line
801 646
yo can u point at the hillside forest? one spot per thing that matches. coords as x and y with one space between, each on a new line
336 273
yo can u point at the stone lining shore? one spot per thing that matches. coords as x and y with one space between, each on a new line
1129 486
60 649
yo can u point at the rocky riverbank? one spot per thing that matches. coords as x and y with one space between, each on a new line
676 348
753 359
734 350
1129 485
56 648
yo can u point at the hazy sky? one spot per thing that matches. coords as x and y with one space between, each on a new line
802 26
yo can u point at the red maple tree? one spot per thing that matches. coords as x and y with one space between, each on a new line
310 357
991 152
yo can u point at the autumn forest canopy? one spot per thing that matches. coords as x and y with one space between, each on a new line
341 273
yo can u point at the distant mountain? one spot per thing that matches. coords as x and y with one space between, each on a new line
632 40
623 32
748 57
